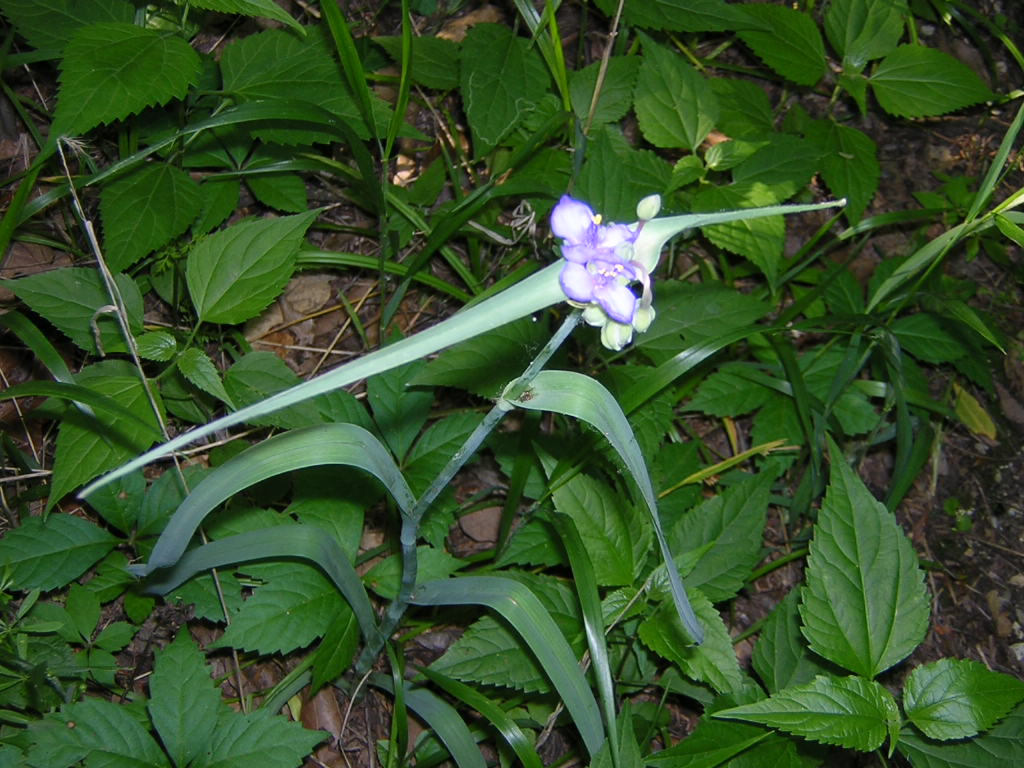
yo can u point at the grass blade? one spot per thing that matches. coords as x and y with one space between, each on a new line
525 613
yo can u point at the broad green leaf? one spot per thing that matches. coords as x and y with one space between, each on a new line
713 662
783 163
584 398
485 364
922 336
914 81
732 523
435 61
711 744
219 199
615 175
728 393
265 9
257 738
398 410
144 210
119 503
862 30
849 164
791 44
957 698
98 732
1000 747
386 576
502 76
616 95
759 240
184 702
865 606
156 345
113 70
200 370
88 445
521 608
849 712
744 111
261 374
609 527
282 191
52 23
290 611
201 593
781 657
234 274
336 651
276 65
972 414
674 104
71 298
83 607
681 15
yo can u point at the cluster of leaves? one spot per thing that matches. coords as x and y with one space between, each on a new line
274 112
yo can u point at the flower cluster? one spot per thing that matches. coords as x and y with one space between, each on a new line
599 268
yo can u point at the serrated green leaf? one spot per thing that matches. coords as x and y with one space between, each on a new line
922 336
119 503
71 299
435 61
261 374
616 96
290 611
744 110
862 30
83 607
88 445
1000 747
710 745
156 345
265 9
732 523
502 76
781 657
849 712
608 526
184 702
49 555
615 175
681 15
113 70
491 654
258 738
234 274
791 43
713 662
674 104
957 698
865 606
203 595
386 576
283 191
219 198
200 370
398 410
849 164
485 364
116 635
727 393
336 651
52 23
759 240
914 81
144 210
98 732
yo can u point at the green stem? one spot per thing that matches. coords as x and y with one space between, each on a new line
411 522
767 568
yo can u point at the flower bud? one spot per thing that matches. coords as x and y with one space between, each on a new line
648 208
595 316
643 318
615 335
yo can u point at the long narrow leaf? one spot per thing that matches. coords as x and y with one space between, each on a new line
525 613
532 295
282 541
312 446
582 397
82 396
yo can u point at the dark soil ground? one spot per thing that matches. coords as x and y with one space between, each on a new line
965 513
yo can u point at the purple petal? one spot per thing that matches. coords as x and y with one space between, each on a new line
571 220
577 283
614 235
580 254
618 301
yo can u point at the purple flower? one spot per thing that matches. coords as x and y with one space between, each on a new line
597 268
584 235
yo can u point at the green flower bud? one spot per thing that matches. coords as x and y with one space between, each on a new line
643 318
615 335
595 316
648 208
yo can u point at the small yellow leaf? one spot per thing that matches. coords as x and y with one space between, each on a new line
972 414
